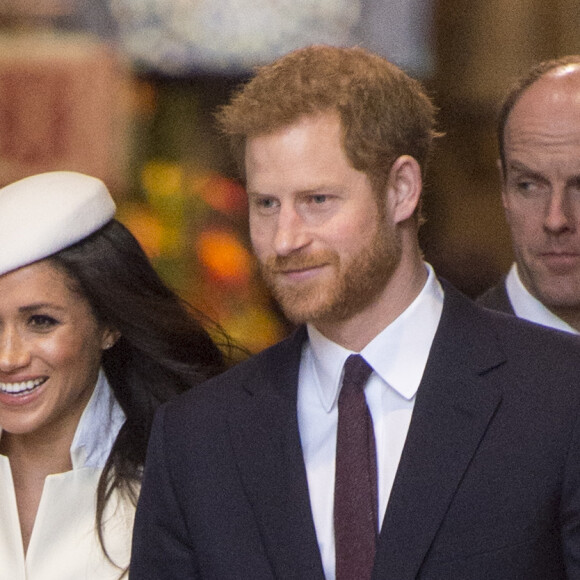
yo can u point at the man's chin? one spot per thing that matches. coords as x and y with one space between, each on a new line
301 312
556 292
300 315
559 302
324 314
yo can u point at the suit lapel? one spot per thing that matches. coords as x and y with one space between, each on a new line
266 442
453 409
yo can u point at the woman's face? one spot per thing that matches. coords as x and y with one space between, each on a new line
50 352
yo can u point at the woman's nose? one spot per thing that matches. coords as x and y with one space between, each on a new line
14 354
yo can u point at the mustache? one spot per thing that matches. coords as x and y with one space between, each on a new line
276 264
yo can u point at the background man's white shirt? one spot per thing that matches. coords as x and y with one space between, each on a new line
530 308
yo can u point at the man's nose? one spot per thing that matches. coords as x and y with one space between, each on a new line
291 232
559 215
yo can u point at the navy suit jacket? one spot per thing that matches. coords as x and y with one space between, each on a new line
488 485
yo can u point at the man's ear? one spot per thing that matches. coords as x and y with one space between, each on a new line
502 176
404 188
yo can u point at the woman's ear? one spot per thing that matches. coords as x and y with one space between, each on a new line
404 188
110 337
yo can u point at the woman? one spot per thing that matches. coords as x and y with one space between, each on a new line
91 342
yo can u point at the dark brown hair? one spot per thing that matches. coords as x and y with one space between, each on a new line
163 348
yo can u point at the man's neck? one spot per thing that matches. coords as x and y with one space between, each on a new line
527 305
358 330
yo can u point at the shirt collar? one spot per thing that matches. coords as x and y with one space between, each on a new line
398 354
530 308
98 427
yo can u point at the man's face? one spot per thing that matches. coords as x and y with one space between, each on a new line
541 190
327 248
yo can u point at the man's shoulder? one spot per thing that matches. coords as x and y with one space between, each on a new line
510 333
262 371
258 389
521 359
508 328
496 304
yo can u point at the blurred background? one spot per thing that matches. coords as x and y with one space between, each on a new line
125 90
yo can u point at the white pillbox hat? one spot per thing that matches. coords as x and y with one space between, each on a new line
43 214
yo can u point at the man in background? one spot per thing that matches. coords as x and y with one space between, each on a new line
402 431
539 143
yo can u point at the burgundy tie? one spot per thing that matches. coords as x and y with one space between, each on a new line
355 491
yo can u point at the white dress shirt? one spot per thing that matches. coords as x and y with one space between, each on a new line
64 543
530 308
398 356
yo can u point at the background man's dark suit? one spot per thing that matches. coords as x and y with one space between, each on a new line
488 486
497 298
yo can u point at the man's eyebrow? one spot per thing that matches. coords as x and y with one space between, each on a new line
519 166
320 190
523 168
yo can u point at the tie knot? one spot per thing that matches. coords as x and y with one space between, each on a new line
356 372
